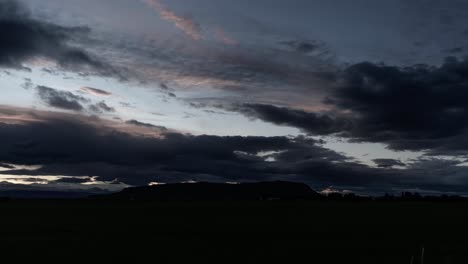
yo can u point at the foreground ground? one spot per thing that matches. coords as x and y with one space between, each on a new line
236 232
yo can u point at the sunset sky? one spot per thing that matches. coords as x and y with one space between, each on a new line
369 96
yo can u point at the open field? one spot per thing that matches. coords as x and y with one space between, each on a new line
319 231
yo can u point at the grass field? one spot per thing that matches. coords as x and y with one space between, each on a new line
236 232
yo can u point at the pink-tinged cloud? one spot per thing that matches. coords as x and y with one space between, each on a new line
95 91
12 115
222 36
186 24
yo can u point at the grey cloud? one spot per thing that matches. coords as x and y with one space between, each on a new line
101 107
313 123
72 148
388 163
267 75
317 48
25 38
6 166
138 123
61 99
415 108
28 84
407 108
456 50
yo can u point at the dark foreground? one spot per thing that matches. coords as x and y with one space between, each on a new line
236 232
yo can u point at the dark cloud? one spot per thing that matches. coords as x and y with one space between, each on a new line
138 123
388 163
164 87
307 47
101 107
415 108
61 99
73 148
6 166
76 149
456 50
25 38
411 108
74 180
314 123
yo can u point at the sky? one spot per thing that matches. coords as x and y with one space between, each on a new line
368 96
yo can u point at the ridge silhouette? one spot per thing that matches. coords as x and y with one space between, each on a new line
218 191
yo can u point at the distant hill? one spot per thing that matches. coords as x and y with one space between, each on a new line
216 191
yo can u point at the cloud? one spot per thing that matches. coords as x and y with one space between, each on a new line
388 163
25 39
73 180
95 91
266 74
186 24
239 72
28 84
101 107
71 145
24 116
419 108
411 108
308 47
456 50
138 123
313 123
222 36
61 99
70 101
76 149
6 166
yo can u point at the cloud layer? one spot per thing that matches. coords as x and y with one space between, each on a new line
80 147
184 23
25 39
412 108
419 107
288 79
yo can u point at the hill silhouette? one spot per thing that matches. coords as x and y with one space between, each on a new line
217 191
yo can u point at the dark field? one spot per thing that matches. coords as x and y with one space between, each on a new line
290 232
